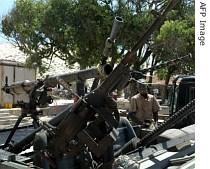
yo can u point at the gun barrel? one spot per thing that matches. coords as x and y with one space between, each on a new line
26 86
74 76
130 56
119 73
118 21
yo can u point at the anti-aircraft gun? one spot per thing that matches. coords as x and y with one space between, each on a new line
38 91
90 124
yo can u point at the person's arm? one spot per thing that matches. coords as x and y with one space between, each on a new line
155 108
133 107
132 110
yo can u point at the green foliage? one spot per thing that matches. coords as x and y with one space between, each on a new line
176 38
161 73
23 25
75 31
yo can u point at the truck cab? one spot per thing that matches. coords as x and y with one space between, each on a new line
183 91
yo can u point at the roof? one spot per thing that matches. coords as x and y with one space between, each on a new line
8 52
11 55
184 79
11 63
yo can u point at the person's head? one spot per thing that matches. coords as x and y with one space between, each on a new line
142 87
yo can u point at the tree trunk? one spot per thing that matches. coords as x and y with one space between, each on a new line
150 76
151 71
132 85
165 91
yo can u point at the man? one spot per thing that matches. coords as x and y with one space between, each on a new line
144 107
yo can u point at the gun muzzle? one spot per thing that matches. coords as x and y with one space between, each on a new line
107 69
118 21
104 70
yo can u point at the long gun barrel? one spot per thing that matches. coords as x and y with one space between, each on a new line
122 70
118 21
105 68
26 86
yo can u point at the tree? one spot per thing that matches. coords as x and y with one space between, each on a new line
44 29
176 39
74 31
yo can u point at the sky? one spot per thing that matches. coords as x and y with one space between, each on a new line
5 7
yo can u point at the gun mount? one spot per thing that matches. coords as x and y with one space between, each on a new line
92 121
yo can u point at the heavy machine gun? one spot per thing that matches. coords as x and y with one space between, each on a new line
51 81
93 119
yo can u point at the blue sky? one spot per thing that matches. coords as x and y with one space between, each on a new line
5 7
